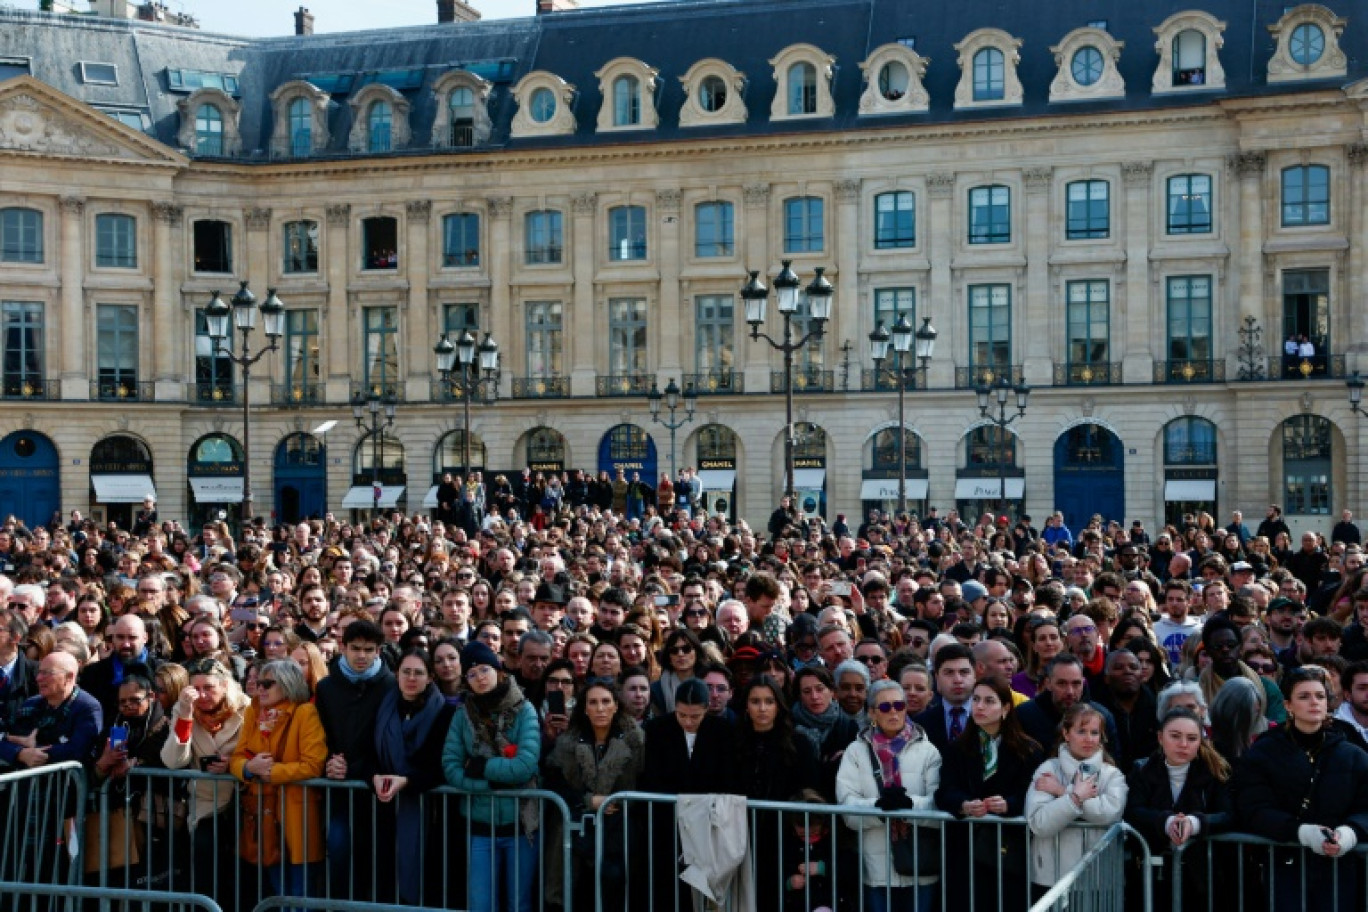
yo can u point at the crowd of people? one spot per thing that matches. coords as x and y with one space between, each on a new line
1193 681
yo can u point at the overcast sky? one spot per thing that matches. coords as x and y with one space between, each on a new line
276 17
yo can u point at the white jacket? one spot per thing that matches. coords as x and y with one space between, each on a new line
1058 844
714 845
919 766
207 796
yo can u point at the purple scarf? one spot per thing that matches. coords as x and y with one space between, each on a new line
888 749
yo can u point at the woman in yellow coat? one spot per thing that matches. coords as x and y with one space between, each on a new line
283 741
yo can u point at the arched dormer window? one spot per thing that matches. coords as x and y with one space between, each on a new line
893 81
544 106
988 61
1189 47
1086 61
714 93
209 123
301 121
802 74
462 119
380 120
628 87
1308 45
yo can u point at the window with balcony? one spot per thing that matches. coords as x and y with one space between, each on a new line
545 340
301 355
990 329
213 368
301 247
714 229
895 220
21 235
990 215
116 351
1305 196
627 337
1089 330
627 233
1089 210
381 344
803 228
714 341
380 242
213 242
544 237
1189 323
461 239
1189 204
461 318
116 241
22 323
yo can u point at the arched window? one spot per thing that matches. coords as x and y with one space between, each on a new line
379 125
543 105
1306 450
120 453
628 443
989 75
1189 58
802 88
712 94
208 130
300 449
450 453
893 80
390 454
716 443
1089 445
301 128
886 450
216 449
462 116
1190 441
810 441
626 101
990 447
545 447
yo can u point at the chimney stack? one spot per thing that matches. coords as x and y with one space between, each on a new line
449 11
555 6
304 21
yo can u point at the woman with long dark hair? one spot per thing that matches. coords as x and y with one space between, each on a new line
818 717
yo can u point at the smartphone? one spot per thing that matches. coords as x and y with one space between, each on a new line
243 615
1087 770
206 762
841 588
666 601
555 703
118 737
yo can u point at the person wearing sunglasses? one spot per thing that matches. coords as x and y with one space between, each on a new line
891 766
682 654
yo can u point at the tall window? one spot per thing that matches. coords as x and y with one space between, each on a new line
380 242
301 352
802 88
1089 214
545 242
208 130
1189 441
213 246
461 318
462 116
380 126
116 241
989 75
461 239
1189 204
382 349
626 101
21 236
627 233
1306 308
1189 318
895 220
213 369
1088 324
626 336
990 215
892 303
1307 450
886 450
1189 58
301 247
811 356
22 323
544 339
714 334
803 230
990 447
301 128
1306 195
714 230
990 327
116 350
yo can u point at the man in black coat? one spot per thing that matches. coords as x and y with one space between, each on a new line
1133 707
128 635
1064 686
949 711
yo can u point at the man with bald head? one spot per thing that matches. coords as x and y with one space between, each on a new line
993 658
61 723
128 636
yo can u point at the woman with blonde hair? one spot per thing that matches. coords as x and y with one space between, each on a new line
310 661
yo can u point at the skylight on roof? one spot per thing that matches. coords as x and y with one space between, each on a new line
10 67
99 73
400 80
190 80
499 70
332 83
128 117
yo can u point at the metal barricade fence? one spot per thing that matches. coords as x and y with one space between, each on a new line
1097 882
827 855
71 898
1236 871
42 820
333 842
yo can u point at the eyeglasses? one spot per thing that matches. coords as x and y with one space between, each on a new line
1262 668
1082 629
805 646
256 626
895 706
478 671
681 650
871 660
265 683
695 612
133 701
560 682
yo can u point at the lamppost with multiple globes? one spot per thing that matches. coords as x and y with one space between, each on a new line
670 399
901 342
1355 386
374 414
820 298
244 316
468 377
999 394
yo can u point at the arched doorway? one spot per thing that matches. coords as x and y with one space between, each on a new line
716 449
631 449
1190 472
1089 475
120 476
809 468
879 482
449 456
991 464
381 487
215 473
29 487
301 478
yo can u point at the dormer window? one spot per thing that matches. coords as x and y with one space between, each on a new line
802 89
543 105
626 101
988 75
379 123
893 81
1308 39
988 61
462 119
803 73
1189 47
301 120
380 120
628 87
209 123
1086 69
714 95
208 131
544 101
301 128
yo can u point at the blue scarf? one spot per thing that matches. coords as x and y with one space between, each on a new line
344 668
119 668
398 740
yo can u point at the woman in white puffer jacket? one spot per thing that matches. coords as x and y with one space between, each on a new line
1080 785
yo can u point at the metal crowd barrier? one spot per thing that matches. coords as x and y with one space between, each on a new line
1097 882
69 898
42 817
337 844
1236 871
982 864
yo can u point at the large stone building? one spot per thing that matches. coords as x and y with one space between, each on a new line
1129 207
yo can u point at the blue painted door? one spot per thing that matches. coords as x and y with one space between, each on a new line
29 486
1089 475
301 478
629 447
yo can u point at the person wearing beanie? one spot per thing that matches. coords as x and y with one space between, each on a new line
976 594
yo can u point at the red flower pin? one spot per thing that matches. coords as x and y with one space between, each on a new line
510 751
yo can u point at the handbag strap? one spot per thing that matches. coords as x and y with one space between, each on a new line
878 767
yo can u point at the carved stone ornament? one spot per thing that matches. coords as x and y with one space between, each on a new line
1306 403
848 191
29 125
668 200
940 186
339 213
418 210
29 422
584 203
1088 406
72 205
1189 404
1137 174
1357 153
500 206
1038 178
259 219
169 213
1247 164
756 195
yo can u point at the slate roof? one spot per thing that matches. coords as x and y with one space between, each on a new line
670 36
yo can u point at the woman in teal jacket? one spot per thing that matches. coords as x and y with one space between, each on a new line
495 743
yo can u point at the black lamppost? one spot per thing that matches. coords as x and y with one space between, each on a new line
244 314
670 398
468 378
1000 393
1355 385
374 415
901 338
820 295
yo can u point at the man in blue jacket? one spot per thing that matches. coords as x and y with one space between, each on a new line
59 724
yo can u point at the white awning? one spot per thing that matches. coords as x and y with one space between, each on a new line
809 479
430 498
112 489
716 480
225 489
362 497
887 489
1200 490
988 488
